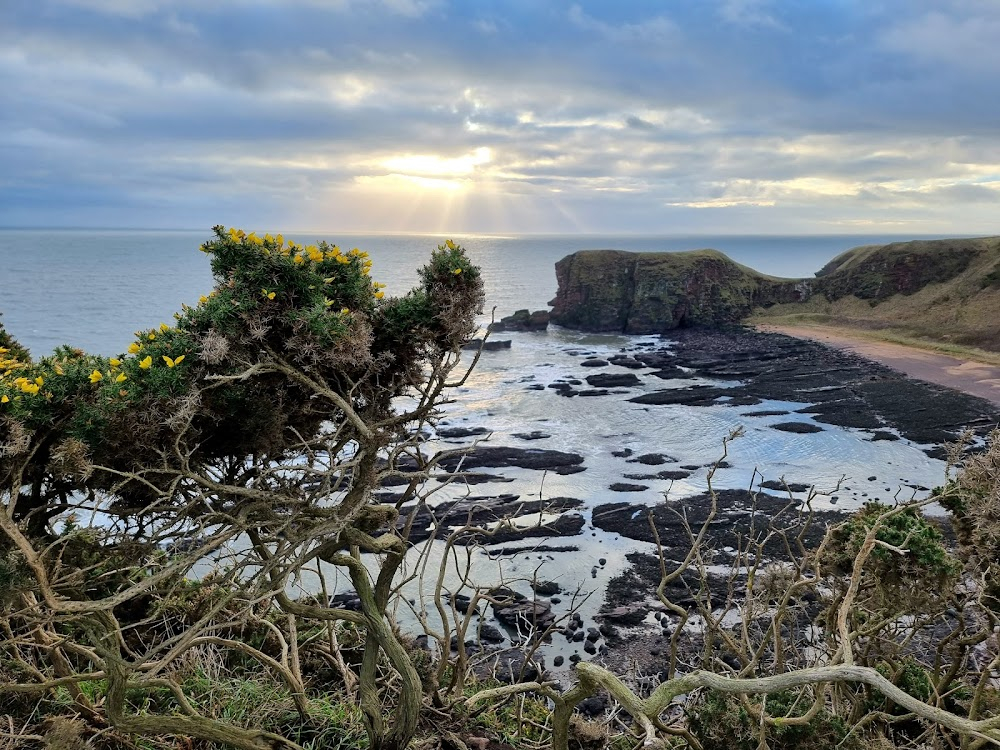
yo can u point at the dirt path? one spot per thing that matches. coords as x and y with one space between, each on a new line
975 378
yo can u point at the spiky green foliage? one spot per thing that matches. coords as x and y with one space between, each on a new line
229 373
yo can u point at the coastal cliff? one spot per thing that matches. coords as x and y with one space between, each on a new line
939 290
615 290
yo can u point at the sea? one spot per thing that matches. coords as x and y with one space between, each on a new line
93 288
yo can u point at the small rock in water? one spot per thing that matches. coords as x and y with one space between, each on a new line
799 428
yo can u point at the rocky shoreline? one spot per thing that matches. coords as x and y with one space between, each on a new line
821 389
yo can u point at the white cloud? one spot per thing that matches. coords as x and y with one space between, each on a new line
656 30
750 13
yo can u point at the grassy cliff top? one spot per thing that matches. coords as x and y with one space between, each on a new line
668 260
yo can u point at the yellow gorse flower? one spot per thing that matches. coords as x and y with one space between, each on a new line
122 377
164 327
134 348
115 362
203 299
379 294
457 271
451 245
4 399
173 362
96 376
152 337
146 363
269 295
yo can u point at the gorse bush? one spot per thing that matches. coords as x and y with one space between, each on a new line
233 373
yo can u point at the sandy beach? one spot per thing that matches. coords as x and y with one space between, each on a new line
975 378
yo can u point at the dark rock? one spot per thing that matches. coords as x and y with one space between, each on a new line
772 484
590 648
462 432
490 634
346 600
613 380
488 346
624 487
533 435
596 392
883 435
593 706
557 661
546 588
523 320
593 363
525 458
653 459
630 362
624 453
696 396
627 614
765 413
800 428
524 615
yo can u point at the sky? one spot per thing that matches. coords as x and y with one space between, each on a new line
503 116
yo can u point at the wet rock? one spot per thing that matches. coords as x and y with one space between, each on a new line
595 392
766 413
523 320
346 600
524 615
490 634
593 363
695 396
558 661
533 435
624 453
799 428
883 435
546 588
613 380
500 456
624 361
773 484
475 478
627 614
625 487
653 459
488 346
462 432
486 511
738 511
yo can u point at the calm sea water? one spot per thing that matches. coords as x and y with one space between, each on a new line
92 289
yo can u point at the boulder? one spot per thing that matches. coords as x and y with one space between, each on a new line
523 320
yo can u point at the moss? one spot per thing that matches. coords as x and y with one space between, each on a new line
720 722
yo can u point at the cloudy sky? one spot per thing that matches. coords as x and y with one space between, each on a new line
668 116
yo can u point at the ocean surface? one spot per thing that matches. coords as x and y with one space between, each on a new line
92 289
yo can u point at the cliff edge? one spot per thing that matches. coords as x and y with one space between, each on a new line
940 290
627 292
